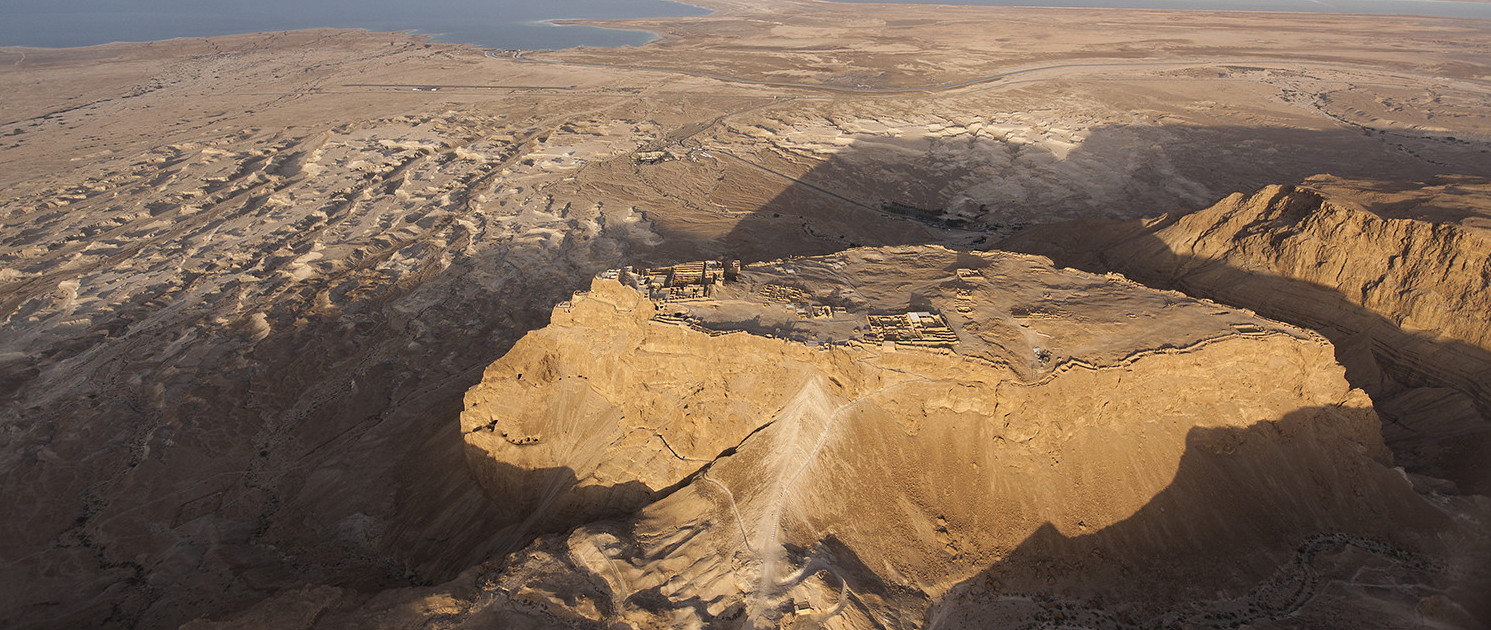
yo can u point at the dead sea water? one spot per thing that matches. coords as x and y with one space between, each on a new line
486 23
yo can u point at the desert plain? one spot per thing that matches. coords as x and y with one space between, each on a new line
333 328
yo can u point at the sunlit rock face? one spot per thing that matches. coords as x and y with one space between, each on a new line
916 435
1393 273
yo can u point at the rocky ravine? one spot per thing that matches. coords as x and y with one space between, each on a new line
916 436
1396 275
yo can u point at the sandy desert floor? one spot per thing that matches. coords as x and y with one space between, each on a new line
245 281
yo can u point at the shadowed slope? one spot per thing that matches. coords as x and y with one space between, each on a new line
1395 295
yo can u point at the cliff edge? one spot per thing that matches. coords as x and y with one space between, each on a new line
1396 275
913 435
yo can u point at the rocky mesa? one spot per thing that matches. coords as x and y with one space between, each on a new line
906 436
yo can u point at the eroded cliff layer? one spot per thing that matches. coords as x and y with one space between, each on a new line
1398 276
910 436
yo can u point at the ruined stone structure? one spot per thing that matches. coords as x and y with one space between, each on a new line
677 283
918 328
785 294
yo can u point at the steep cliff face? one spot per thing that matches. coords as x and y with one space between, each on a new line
1422 276
1031 440
604 408
621 396
1397 277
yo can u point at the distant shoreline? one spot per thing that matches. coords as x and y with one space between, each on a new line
1473 9
586 23
1477 9
499 24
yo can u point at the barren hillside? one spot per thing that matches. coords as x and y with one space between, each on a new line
1393 274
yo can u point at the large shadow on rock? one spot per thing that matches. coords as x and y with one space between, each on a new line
1433 393
1248 524
898 190
546 500
1280 532
366 476
1281 524
327 451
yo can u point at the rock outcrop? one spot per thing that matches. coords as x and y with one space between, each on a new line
919 436
1396 276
